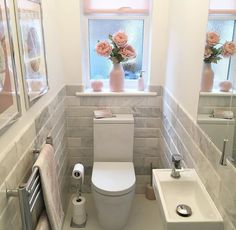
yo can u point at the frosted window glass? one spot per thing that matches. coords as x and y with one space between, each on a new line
226 30
99 29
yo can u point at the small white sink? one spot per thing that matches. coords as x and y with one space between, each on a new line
187 190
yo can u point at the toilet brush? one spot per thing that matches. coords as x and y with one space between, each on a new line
149 189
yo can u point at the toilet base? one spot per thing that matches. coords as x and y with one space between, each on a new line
73 225
113 211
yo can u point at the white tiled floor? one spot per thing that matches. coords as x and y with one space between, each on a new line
144 216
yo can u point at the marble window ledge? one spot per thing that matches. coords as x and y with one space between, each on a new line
108 93
218 93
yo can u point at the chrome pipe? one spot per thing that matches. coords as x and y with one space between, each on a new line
223 155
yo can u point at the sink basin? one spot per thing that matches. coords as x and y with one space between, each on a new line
186 190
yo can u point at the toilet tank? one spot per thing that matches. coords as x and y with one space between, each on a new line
113 138
218 129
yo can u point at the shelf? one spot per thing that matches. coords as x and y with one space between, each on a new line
119 94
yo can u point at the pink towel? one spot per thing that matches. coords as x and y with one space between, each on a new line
49 180
43 223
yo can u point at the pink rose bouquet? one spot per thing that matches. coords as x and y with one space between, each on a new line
215 51
118 50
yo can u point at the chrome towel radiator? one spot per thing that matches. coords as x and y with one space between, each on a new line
30 197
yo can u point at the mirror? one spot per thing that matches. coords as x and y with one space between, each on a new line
216 108
9 98
31 39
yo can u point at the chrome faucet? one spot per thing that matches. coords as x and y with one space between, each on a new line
176 165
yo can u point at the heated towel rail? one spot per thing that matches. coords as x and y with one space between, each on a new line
30 197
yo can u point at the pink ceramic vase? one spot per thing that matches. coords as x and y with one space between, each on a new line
117 77
207 78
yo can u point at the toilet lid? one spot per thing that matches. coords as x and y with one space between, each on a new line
113 178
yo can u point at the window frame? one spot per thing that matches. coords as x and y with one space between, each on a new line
129 84
232 60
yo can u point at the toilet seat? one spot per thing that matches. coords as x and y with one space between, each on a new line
113 178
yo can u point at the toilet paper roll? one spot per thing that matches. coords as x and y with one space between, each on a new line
78 172
79 211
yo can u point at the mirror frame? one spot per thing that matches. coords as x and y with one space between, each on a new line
28 100
11 118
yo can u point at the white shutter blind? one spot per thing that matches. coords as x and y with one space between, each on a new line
117 6
223 6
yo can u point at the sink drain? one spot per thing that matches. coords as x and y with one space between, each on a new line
184 210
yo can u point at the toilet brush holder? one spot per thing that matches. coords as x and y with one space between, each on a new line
149 193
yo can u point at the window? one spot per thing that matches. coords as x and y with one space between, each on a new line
226 28
101 20
222 20
133 28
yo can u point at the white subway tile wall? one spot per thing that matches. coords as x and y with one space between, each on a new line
161 128
182 135
16 161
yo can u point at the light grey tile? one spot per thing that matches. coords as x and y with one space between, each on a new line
228 204
80 131
147 142
72 101
121 110
147 132
138 161
147 112
146 151
87 141
72 89
148 122
123 101
74 142
84 111
7 161
79 121
86 161
156 162
25 140
41 120
80 152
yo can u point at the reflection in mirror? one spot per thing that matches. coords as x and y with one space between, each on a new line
32 49
9 99
217 104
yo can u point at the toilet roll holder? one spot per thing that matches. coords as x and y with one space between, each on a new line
79 188
78 193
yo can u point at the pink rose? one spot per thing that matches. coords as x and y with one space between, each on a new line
103 48
128 52
208 52
228 49
120 39
212 38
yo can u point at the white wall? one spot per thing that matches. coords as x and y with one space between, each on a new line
70 34
159 39
55 73
187 27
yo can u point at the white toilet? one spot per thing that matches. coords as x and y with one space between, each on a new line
113 177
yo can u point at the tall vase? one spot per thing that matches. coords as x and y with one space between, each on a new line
117 76
207 78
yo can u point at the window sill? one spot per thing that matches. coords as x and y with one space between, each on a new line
218 93
127 92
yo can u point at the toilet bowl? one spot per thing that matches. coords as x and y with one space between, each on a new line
113 188
113 176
